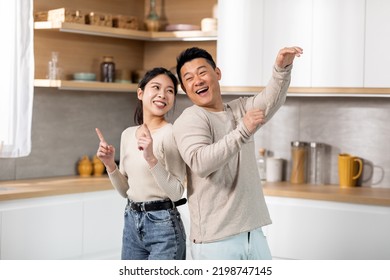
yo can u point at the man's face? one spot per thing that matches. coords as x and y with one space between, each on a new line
201 83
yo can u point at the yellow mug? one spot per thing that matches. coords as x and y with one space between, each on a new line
350 169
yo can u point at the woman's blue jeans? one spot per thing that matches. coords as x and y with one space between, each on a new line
153 235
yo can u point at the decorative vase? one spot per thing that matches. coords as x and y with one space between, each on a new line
85 167
98 166
152 21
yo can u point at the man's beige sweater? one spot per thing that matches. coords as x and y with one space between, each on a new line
224 189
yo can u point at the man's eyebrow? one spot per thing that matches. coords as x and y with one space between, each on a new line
197 69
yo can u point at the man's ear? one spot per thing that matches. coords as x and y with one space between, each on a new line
183 88
219 73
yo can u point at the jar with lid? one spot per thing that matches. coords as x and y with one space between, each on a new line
316 163
299 162
107 70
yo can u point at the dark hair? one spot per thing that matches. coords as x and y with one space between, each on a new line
139 112
190 54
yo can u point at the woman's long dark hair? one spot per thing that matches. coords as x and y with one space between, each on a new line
139 113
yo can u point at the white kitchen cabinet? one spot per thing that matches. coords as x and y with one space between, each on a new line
338 43
103 225
377 59
286 24
240 41
330 32
75 226
44 228
310 229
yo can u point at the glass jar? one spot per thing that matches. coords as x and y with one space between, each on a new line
316 164
299 162
107 70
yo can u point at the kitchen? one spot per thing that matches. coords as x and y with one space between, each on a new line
349 114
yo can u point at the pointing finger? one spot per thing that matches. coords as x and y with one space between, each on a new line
146 131
100 135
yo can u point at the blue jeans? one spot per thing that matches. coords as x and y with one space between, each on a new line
153 235
250 245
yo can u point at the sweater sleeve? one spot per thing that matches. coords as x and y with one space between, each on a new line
194 136
274 94
119 182
169 172
118 177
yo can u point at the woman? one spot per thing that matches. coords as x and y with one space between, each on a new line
150 174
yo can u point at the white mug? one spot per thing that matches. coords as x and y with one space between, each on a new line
274 167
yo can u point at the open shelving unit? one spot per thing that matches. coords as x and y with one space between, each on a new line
111 32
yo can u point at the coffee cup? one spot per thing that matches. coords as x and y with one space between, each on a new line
350 169
274 167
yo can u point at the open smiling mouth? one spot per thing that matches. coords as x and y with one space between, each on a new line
160 103
202 90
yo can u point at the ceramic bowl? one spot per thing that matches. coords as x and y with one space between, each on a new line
84 76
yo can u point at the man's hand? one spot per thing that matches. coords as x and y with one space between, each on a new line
253 118
286 56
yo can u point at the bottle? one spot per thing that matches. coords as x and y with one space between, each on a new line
53 70
299 162
107 69
261 165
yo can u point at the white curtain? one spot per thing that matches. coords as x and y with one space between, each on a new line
16 77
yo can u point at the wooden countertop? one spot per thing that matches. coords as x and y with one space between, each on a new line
20 189
358 195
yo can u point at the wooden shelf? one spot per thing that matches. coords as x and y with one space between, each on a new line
86 86
126 33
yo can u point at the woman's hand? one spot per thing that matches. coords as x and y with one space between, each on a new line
145 144
106 153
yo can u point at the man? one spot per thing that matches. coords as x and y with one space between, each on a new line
226 201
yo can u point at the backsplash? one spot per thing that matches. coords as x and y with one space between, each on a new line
358 126
64 122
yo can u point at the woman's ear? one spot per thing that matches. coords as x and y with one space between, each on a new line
140 93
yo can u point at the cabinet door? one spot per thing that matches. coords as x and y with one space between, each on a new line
103 225
310 229
288 23
338 43
240 41
377 58
44 228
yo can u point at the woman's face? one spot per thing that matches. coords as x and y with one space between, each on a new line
158 96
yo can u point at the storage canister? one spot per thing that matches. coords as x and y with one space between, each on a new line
299 162
316 163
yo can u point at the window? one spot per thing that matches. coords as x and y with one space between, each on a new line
16 77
